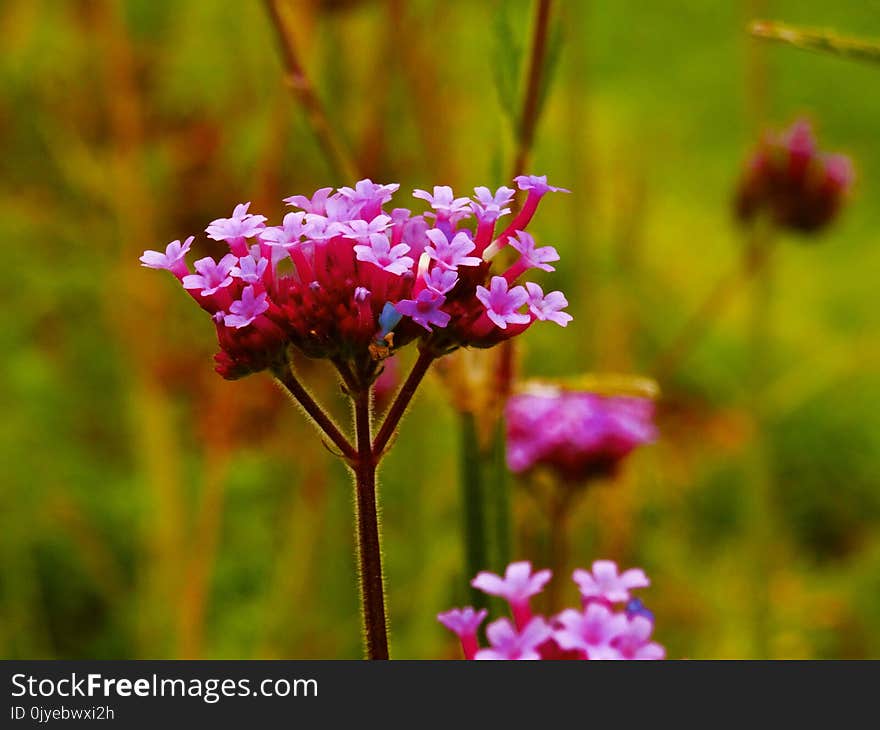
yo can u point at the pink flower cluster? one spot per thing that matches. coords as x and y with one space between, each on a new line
792 181
341 276
577 434
597 630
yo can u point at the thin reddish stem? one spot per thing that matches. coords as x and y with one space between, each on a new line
531 103
368 541
319 416
401 402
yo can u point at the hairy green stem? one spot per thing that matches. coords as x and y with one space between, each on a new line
499 502
476 549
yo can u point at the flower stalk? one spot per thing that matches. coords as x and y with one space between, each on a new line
473 502
531 103
363 459
368 539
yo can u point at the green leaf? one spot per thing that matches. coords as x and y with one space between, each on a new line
551 62
507 60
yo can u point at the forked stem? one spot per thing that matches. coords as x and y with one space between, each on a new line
319 416
401 402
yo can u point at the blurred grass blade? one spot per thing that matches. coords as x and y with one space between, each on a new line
551 63
507 63
822 41
473 505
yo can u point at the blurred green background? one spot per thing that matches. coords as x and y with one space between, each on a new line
149 509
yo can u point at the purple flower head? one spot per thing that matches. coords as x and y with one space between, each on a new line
287 234
800 141
549 307
415 234
321 228
578 434
361 230
634 642
172 260
451 254
315 204
250 269
502 304
464 623
592 631
441 280
387 257
367 194
425 309
251 306
211 275
791 181
491 207
361 294
604 583
506 643
533 257
444 202
517 586
596 631
241 225
329 271
537 184
839 172
340 209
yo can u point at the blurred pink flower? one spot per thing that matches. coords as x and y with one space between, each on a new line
517 586
604 583
795 184
464 623
508 643
595 631
577 434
